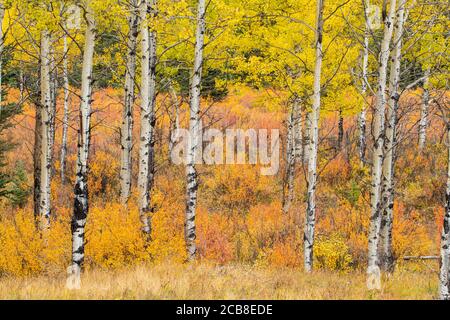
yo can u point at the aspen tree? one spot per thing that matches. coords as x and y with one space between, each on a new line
364 81
444 273
373 269
388 192
65 122
423 123
308 237
127 119
147 118
46 106
195 132
293 151
174 118
81 203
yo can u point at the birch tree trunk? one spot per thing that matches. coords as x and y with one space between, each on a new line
46 131
365 63
37 163
54 98
444 274
388 190
288 189
293 153
423 123
65 124
127 120
313 145
298 133
148 98
174 119
306 136
373 270
340 138
81 202
195 131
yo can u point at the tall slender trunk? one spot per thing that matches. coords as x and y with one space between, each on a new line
174 119
54 98
81 202
423 123
21 83
148 120
293 153
388 188
364 80
127 120
373 269
195 131
298 132
288 188
46 131
306 136
444 274
313 145
340 138
65 124
37 148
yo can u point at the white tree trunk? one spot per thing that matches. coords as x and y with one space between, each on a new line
313 145
54 97
195 131
340 138
288 187
365 64
46 131
388 190
423 123
127 119
293 152
147 118
65 124
444 275
174 119
81 202
298 132
373 269
306 136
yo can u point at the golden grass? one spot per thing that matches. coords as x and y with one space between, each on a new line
201 281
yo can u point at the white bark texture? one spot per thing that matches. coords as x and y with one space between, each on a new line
298 133
126 136
147 117
388 187
65 124
373 269
444 274
46 133
288 184
308 237
81 202
365 64
293 153
194 134
423 123
174 118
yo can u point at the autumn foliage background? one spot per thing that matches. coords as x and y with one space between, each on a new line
239 219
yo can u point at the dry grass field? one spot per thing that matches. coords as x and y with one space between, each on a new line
201 281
